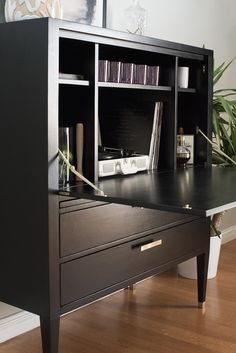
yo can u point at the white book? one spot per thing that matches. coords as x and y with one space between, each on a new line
64 76
158 137
79 147
153 136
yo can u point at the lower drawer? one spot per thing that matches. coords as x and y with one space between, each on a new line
92 273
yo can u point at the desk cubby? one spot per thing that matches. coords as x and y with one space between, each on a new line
103 107
77 57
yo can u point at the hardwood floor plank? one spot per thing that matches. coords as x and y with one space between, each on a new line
161 315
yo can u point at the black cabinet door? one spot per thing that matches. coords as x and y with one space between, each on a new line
197 191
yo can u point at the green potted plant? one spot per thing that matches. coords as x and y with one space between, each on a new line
224 155
224 122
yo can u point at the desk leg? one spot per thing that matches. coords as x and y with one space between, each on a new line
202 268
131 287
50 334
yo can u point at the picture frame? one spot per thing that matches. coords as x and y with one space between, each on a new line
96 17
90 12
2 17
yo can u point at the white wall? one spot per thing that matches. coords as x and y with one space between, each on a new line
194 22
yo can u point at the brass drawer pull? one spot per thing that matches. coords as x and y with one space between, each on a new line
151 245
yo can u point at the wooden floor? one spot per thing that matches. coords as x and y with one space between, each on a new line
161 316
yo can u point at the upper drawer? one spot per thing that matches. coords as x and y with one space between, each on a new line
85 229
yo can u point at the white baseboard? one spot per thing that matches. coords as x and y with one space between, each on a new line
17 324
229 234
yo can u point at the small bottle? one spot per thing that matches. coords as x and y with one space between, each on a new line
183 153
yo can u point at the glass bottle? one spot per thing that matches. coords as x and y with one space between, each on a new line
183 153
135 18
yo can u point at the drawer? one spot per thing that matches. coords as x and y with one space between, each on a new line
92 273
95 226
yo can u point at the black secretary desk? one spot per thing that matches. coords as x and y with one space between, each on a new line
63 248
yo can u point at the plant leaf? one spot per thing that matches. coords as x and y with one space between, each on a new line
228 146
216 129
225 90
227 107
233 136
220 71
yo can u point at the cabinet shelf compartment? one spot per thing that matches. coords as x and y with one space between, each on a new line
126 121
77 58
192 112
166 63
75 107
197 74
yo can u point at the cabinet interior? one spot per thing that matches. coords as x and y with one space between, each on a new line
121 116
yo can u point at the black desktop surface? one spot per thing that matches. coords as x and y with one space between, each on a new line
197 191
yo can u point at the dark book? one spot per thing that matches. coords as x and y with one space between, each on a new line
127 73
140 74
115 71
104 71
152 76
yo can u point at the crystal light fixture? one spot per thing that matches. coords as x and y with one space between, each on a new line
135 18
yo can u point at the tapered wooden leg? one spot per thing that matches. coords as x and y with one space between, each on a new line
202 269
50 334
131 287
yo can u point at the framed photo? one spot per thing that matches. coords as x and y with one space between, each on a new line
2 17
84 11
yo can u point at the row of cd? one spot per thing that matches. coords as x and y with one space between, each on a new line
119 72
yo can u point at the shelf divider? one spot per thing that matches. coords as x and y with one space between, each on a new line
187 90
133 86
73 82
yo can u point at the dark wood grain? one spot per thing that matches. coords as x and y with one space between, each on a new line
202 269
24 260
50 334
33 106
69 29
96 226
127 261
159 315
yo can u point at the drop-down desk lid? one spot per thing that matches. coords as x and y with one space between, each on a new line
197 191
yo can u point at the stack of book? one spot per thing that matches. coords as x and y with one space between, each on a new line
119 72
